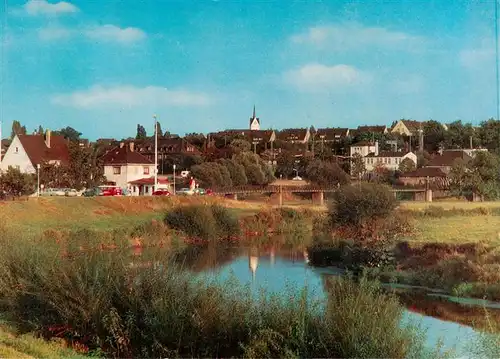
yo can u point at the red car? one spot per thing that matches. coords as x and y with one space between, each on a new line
110 191
161 192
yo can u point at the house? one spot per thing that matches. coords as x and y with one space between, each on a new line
446 159
26 152
124 164
328 135
387 159
166 146
434 176
408 127
146 186
262 137
364 148
294 135
372 129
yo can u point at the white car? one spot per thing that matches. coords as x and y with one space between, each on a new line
70 192
297 178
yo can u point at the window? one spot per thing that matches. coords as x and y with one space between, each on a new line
146 189
117 170
17 149
145 170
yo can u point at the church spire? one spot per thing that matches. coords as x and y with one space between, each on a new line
254 111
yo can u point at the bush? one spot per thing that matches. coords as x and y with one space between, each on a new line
358 205
156 310
205 222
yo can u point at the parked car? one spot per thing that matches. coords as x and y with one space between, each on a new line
183 192
110 191
70 192
161 192
91 192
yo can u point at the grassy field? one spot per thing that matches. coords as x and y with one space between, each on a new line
39 214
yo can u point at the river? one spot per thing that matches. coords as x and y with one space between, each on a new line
447 320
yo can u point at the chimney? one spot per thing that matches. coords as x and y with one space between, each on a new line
131 144
122 144
47 138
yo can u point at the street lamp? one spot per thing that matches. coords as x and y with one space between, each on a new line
156 152
174 179
38 180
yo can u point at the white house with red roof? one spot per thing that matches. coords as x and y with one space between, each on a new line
27 151
127 168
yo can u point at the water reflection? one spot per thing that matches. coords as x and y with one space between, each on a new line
274 269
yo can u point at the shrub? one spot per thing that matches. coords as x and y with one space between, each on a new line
357 205
201 221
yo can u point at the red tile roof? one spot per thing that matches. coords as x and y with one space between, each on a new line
38 152
331 134
149 181
123 155
448 158
425 172
372 129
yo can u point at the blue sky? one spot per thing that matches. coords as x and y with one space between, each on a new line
104 66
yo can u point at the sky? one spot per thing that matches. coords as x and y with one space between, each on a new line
102 67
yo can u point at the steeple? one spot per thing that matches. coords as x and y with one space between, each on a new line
254 121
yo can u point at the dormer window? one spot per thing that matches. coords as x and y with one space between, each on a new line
17 149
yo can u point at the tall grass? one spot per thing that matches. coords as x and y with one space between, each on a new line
155 309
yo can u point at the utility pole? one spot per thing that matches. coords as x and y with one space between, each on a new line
156 153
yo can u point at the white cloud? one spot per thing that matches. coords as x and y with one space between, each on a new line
54 33
114 33
130 96
104 33
480 56
320 78
43 7
349 36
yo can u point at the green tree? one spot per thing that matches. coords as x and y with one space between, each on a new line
40 130
69 133
14 182
489 132
17 129
236 171
326 173
434 135
358 167
239 145
407 165
480 176
285 163
141 132
196 139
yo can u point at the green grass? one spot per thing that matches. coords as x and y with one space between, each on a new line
458 229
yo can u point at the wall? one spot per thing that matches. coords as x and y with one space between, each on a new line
128 173
15 159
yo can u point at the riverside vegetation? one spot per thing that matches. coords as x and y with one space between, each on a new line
86 286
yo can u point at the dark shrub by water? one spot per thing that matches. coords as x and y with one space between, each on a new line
147 307
202 221
359 204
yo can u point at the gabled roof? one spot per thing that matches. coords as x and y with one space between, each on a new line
372 129
331 134
172 145
412 125
149 181
38 152
448 158
251 135
123 156
425 172
296 134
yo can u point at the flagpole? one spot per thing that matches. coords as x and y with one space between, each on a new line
156 153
